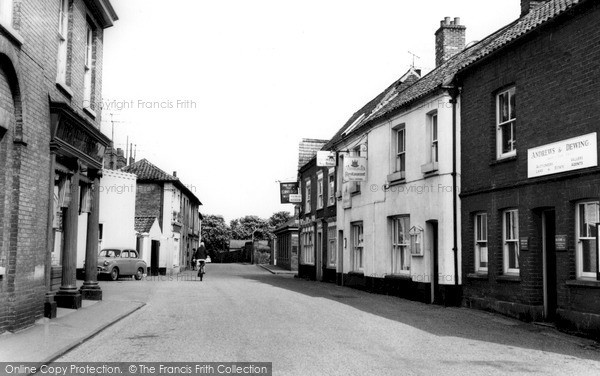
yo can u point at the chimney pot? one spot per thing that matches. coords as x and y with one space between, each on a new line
175 173
449 40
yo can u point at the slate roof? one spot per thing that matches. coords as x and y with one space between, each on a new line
144 224
308 149
444 74
292 223
147 171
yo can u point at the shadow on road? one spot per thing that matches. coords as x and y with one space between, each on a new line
438 320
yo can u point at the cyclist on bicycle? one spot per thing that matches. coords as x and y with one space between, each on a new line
201 258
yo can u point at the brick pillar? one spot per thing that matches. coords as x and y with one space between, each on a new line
90 289
68 295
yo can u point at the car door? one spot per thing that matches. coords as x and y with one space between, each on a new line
133 259
125 264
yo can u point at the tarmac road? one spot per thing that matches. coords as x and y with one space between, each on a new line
243 313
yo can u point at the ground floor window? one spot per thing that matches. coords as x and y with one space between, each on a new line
357 247
481 241
400 245
510 235
331 246
308 250
588 216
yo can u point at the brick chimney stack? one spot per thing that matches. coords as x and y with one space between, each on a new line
449 40
529 5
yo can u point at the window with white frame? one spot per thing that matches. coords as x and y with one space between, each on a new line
331 187
320 198
481 242
400 245
307 196
357 247
308 252
510 238
6 12
331 246
432 122
63 34
88 78
506 115
400 149
588 216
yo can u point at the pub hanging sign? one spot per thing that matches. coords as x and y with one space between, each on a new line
289 192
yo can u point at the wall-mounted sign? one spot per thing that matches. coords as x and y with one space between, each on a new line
287 189
355 169
567 155
326 159
295 198
524 243
560 242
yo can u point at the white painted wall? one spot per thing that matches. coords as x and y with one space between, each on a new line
117 209
424 199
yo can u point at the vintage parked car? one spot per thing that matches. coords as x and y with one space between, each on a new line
115 263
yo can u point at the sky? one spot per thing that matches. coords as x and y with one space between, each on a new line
223 91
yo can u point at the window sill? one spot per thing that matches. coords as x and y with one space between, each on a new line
501 160
396 178
583 283
357 273
64 89
429 168
90 112
404 277
478 275
355 193
509 278
13 35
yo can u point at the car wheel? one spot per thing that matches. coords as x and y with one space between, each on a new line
114 273
139 274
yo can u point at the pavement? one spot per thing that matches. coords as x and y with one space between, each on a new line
49 339
274 269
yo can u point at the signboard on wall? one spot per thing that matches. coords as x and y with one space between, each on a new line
288 189
562 156
355 169
326 159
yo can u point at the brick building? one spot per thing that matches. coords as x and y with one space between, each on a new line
317 258
50 152
530 207
164 197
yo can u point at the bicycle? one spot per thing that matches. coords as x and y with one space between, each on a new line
201 270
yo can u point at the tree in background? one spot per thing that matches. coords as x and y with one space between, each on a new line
215 234
242 228
278 219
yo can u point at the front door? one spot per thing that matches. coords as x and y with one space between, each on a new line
432 231
319 258
549 261
154 254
